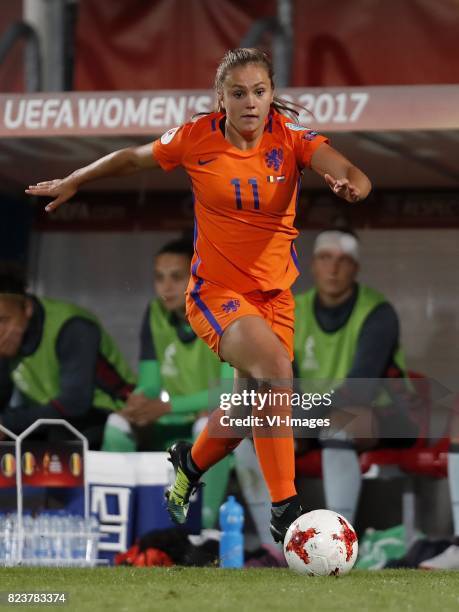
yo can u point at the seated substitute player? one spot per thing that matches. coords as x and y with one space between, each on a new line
245 162
345 330
56 362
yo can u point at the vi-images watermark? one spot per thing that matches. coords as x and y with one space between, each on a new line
253 403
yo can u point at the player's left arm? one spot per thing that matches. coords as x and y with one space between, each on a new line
119 163
343 178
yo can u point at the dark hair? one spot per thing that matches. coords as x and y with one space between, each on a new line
12 279
178 247
242 57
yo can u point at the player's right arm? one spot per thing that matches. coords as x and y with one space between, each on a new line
119 163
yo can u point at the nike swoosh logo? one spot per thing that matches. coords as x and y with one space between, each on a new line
203 162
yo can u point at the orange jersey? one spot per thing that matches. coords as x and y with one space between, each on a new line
245 201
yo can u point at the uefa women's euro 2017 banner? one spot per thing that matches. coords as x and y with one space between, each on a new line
153 112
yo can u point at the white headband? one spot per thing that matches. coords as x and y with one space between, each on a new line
337 241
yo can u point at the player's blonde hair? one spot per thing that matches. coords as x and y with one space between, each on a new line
241 57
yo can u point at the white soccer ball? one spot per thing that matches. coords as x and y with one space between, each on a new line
321 543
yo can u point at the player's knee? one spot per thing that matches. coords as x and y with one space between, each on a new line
274 367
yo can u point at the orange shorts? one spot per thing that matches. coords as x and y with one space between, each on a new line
211 308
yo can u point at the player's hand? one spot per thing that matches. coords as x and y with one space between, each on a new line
59 189
343 188
141 410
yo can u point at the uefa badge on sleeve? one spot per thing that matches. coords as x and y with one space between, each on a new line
169 135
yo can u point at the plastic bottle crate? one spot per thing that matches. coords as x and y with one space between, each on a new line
49 540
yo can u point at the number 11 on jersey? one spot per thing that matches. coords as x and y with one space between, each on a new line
237 192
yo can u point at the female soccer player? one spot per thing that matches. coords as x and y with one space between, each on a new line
245 162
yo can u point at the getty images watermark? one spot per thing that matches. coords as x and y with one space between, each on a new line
398 407
278 403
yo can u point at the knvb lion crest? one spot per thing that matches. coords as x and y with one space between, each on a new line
274 158
231 306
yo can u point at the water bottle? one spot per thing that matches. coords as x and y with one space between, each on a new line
11 539
56 539
92 540
8 532
42 544
64 541
28 543
80 548
232 538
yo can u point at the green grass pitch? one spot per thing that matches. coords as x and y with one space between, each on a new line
195 589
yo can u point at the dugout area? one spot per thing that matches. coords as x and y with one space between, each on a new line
97 251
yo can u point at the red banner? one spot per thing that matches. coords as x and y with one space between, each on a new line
178 44
12 67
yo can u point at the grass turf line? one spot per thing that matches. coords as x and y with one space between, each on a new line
192 589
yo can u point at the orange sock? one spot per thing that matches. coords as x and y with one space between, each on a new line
274 447
213 443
